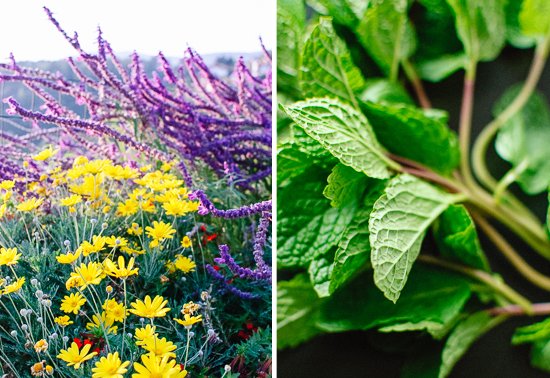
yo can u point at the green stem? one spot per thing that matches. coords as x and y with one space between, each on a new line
416 83
484 277
465 125
483 140
510 253
515 310
510 177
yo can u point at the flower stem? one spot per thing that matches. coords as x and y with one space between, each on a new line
484 277
416 83
515 310
510 253
465 125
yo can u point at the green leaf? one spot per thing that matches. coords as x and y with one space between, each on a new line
481 27
540 355
456 237
462 337
353 253
433 298
307 224
514 34
378 90
534 18
345 185
345 12
327 68
320 271
297 311
548 215
533 332
291 15
523 140
408 132
386 34
344 132
397 227
291 162
440 68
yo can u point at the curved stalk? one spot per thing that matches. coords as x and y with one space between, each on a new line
416 83
515 310
482 142
510 177
484 277
465 125
512 256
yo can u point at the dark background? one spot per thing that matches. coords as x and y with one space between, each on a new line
370 354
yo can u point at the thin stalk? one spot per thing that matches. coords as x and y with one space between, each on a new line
510 177
483 140
484 277
513 257
124 320
416 83
465 125
537 309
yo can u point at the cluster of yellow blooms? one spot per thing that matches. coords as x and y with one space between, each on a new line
100 189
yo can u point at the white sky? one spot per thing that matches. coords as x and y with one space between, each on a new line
145 26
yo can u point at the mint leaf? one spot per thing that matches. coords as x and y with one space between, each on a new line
344 132
291 16
345 185
432 298
514 33
320 271
345 12
534 18
291 162
540 355
534 332
297 309
386 34
307 224
462 337
378 90
523 140
437 69
481 27
456 237
353 253
397 226
327 68
407 131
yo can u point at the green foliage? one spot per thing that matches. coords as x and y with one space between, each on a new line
382 90
540 355
481 27
344 132
441 67
531 333
534 18
523 140
456 237
397 226
462 337
291 16
431 300
514 32
345 186
408 132
297 311
327 68
386 34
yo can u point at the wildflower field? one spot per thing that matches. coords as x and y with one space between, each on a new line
135 233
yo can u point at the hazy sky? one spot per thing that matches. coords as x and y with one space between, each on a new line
146 26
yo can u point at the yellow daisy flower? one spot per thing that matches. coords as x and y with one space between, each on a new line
160 231
9 256
72 303
110 367
46 154
41 346
68 258
160 347
150 308
115 310
152 366
71 200
144 334
122 270
186 242
63 320
30 204
14 287
103 322
91 274
74 356
185 264
189 320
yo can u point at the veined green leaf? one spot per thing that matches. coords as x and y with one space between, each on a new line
432 298
462 337
297 310
345 12
307 224
320 271
456 237
534 18
437 69
408 132
534 332
523 140
345 185
291 162
481 27
291 15
397 226
353 253
327 68
386 34
344 132
383 90
514 33
540 355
